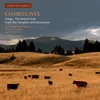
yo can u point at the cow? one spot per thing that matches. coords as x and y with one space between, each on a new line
70 74
60 69
50 82
80 83
29 76
25 77
47 77
35 76
97 72
12 86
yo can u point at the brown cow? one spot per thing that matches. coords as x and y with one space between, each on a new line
60 69
12 86
47 77
80 83
29 76
97 72
25 77
70 74
50 82
35 76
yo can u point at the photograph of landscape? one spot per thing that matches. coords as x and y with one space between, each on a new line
50 50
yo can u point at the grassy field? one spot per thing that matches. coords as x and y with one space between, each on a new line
82 67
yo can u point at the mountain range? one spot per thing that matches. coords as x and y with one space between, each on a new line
47 43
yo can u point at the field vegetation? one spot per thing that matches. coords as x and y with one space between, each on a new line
82 67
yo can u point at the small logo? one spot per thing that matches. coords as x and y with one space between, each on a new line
18 5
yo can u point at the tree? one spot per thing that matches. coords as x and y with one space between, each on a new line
77 50
59 50
97 46
21 46
52 52
2 49
24 46
18 47
86 46
31 47
69 52
39 50
91 46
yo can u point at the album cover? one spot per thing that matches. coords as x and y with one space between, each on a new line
49 49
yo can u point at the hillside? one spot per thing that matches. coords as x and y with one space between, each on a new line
44 60
82 67
82 60
31 59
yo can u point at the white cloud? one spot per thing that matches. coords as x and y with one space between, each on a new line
95 31
12 39
82 34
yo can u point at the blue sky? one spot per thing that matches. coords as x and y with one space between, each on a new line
70 19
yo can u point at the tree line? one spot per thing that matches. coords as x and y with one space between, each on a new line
88 46
22 46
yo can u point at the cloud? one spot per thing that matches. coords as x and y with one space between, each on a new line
64 15
15 41
4 36
8 41
82 34
95 31
3 42
70 19
12 41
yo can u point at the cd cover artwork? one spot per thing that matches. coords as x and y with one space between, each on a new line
49 49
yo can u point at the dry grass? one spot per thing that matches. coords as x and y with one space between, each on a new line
31 59
90 60
62 89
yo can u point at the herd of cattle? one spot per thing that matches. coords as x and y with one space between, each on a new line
78 83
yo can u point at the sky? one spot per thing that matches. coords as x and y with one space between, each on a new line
69 19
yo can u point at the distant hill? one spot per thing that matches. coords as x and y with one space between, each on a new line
47 43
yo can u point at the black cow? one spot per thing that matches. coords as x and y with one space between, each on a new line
50 82
47 77
70 74
25 77
80 83
29 76
97 72
60 69
12 86
35 76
